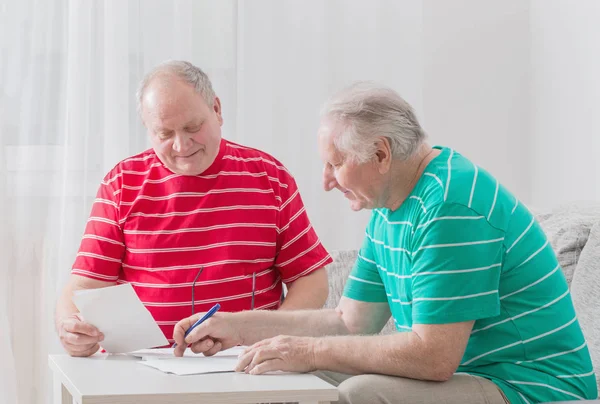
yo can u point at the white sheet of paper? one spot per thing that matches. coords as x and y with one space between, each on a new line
194 366
167 353
120 315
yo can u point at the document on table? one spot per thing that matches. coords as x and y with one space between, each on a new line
120 315
194 366
167 353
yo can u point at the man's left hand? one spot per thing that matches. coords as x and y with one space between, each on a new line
291 354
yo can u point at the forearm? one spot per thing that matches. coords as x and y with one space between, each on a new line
307 292
258 325
400 354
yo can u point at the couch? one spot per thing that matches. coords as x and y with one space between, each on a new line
573 231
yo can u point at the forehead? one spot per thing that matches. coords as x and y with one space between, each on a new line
327 131
172 103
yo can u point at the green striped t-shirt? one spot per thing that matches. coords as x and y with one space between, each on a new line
460 248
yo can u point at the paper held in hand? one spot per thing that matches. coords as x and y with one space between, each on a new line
120 315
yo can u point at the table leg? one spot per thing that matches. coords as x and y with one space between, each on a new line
65 395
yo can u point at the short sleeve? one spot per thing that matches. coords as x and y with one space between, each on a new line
456 266
101 250
364 283
299 250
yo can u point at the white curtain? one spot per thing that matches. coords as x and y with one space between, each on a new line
68 74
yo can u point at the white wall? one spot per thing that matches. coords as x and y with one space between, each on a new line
565 88
476 84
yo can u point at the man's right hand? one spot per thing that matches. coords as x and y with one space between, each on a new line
218 333
78 337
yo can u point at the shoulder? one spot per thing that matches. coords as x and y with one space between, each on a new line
139 163
254 160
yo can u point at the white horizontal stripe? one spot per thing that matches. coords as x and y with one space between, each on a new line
394 274
516 204
554 355
296 215
98 256
214 300
386 246
94 274
496 240
319 264
436 178
579 375
266 306
494 202
366 260
102 220
309 249
199 283
521 236
557 329
105 201
531 284
142 172
404 327
390 222
520 342
151 181
197 266
202 229
458 271
203 210
449 174
146 157
450 218
531 256
197 194
242 174
292 241
201 247
525 313
278 198
395 300
286 203
546 385
365 281
473 186
111 179
117 192
523 398
100 238
490 292
166 323
421 201
229 157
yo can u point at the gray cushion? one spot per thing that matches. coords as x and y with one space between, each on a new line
585 290
568 228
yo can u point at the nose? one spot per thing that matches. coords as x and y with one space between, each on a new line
181 143
329 181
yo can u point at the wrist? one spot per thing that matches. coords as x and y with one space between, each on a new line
316 352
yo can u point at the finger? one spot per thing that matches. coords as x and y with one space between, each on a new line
200 332
202 345
258 345
180 349
262 355
216 348
244 360
79 327
181 327
81 339
82 351
268 366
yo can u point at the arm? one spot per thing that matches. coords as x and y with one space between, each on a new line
307 292
429 352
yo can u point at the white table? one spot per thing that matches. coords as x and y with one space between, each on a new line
120 379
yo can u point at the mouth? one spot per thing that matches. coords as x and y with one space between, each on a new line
188 156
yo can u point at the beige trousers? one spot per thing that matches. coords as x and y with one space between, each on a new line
379 389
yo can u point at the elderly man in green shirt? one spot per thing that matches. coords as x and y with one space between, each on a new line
481 306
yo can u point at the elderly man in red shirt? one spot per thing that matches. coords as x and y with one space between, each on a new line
193 221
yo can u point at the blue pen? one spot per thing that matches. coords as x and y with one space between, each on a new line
202 319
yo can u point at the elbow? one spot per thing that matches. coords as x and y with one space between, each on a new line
441 369
440 375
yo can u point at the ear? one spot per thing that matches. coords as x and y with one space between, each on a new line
218 111
383 154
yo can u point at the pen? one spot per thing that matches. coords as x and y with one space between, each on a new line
205 317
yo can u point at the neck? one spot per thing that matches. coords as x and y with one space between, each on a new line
404 175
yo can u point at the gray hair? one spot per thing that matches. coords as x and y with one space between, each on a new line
368 112
184 70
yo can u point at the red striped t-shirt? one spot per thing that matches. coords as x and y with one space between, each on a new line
242 217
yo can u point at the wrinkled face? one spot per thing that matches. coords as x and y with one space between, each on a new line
185 132
361 183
